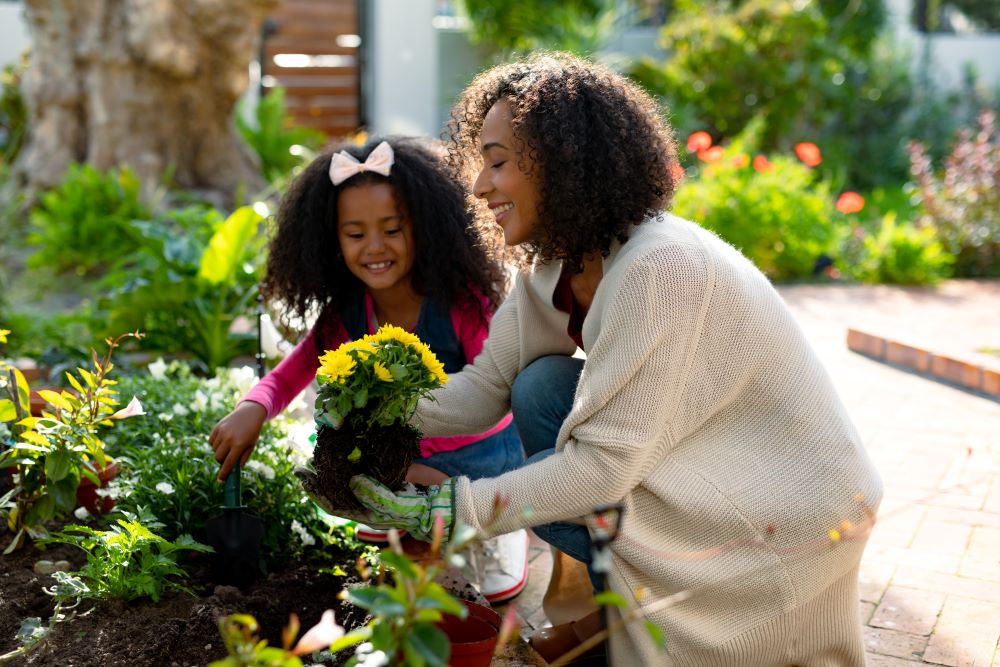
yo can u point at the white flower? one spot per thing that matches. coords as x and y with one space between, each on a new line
166 488
165 416
133 409
180 410
81 513
158 369
262 469
200 401
304 535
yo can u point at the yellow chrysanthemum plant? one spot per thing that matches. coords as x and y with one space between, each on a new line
368 391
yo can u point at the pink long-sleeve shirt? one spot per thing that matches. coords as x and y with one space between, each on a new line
279 387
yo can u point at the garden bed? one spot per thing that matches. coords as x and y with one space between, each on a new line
179 630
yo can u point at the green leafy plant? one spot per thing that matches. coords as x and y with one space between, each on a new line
188 289
13 112
773 209
239 633
273 136
171 472
963 203
376 381
68 592
128 561
85 224
49 454
406 607
579 26
899 253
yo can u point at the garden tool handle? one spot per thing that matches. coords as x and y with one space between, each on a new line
231 492
261 367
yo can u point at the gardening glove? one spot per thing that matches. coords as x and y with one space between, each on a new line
311 486
412 510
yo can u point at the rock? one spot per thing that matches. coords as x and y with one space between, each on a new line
48 567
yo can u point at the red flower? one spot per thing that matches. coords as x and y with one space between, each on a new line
762 164
699 141
850 202
713 154
808 152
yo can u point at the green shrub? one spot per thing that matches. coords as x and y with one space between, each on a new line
733 61
579 26
168 469
897 253
272 136
85 224
13 112
777 214
963 203
192 276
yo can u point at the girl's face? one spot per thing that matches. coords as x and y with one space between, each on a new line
376 236
511 194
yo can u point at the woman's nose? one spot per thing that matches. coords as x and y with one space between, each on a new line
482 186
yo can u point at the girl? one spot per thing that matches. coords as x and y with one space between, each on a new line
373 235
700 407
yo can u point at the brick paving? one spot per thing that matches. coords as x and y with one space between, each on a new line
930 577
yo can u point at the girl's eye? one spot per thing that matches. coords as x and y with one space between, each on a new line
393 232
355 236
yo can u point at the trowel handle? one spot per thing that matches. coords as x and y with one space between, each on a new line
231 492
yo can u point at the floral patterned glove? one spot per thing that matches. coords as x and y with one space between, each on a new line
411 509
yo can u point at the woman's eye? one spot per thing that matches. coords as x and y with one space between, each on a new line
497 165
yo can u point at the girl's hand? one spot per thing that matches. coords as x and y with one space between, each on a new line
235 436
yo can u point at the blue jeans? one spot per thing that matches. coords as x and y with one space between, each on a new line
490 457
540 399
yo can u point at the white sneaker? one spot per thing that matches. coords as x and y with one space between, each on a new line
500 565
377 535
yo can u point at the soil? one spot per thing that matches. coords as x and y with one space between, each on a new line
386 457
178 631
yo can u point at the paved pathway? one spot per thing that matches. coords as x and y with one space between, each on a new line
930 579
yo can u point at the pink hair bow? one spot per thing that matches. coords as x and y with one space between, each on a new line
343 165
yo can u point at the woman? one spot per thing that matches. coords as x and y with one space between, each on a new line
700 407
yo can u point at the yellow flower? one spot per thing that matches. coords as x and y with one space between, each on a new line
336 364
3 335
388 332
432 364
362 345
382 373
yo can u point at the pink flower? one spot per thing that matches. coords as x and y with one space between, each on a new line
319 636
133 409
762 164
850 202
699 141
741 161
809 153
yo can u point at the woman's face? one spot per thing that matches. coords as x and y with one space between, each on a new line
512 194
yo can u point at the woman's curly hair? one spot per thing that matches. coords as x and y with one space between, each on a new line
605 157
305 266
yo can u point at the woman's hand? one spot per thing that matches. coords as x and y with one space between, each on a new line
235 436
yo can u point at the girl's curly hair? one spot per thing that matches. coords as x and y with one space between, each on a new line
305 267
605 157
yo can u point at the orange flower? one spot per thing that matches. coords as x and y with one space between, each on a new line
713 154
741 161
850 202
699 141
808 152
762 164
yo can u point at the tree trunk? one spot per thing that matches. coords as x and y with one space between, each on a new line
147 83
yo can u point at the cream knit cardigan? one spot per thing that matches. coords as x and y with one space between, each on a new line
703 409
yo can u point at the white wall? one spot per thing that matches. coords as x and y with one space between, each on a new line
402 79
13 33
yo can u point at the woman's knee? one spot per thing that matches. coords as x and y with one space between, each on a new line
545 384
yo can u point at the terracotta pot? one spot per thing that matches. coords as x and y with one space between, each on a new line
86 492
474 638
